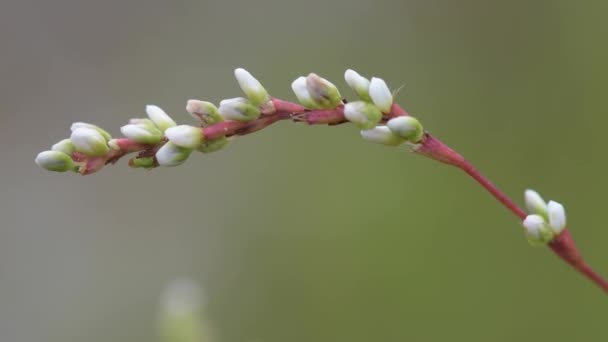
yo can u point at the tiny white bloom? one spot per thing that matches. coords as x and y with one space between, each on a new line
185 136
324 93
239 109
172 155
204 112
407 127
301 91
358 83
251 87
142 132
64 146
89 141
159 117
534 225
363 114
557 216
535 203
382 135
54 161
101 131
381 95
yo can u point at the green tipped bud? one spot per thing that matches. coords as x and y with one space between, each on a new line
363 114
185 136
323 92
143 131
382 135
204 112
301 91
172 155
142 162
101 131
359 84
535 203
212 145
537 230
251 87
407 127
159 117
380 94
64 146
89 141
54 161
238 109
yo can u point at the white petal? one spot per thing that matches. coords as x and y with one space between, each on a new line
358 83
301 91
534 224
381 95
89 141
160 118
251 87
382 135
557 216
172 155
185 136
535 203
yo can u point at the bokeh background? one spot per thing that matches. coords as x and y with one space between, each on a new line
305 233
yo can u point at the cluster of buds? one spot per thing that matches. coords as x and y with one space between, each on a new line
545 220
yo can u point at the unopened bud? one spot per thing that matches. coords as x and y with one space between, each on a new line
323 92
301 91
64 146
407 127
251 87
172 155
382 135
239 109
535 203
557 216
89 141
381 95
101 131
359 84
363 114
204 112
185 136
54 161
143 131
537 230
159 117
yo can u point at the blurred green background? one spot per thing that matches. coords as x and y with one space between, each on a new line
305 233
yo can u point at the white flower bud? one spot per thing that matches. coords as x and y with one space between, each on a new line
407 127
239 109
64 146
535 203
185 136
159 117
382 135
323 92
172 155
301 91
54 161
143 131
101 131
358 83
536 229
89 141
557 216
204 112
363 114
251 87
381 95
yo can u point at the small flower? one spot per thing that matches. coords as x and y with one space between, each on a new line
101 131
143 131
363 114
535 203
536 229
54 161
159 117
172 155
301 91
382 135
407 127
64 146
239 109
89 141
204 112
251 87
381 94
557 216
359 84
323 92
185 136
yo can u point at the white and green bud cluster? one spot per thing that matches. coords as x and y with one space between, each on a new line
314 91
545 220
142 131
